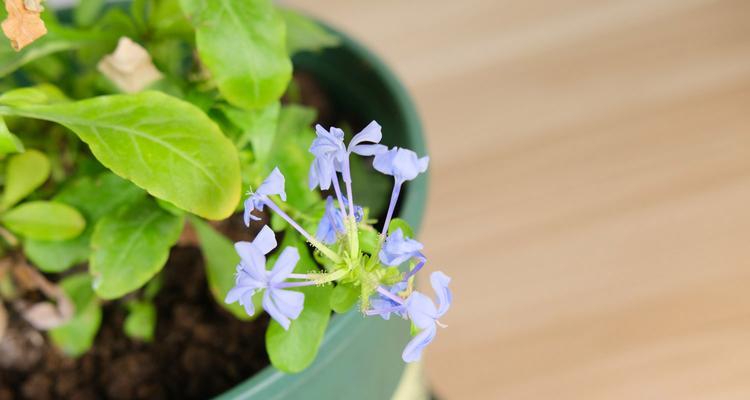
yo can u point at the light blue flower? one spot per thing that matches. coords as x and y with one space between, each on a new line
332 222
397 249
273 184
331 155
422 312
419 308
402 164
329 151
282 305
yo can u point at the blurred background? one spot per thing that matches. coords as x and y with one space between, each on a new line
590 190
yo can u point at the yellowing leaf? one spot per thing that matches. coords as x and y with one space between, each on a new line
129 67
23 25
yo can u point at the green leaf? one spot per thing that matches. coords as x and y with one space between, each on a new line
77 335
293 350
304 34
87 11
343 297
35 95
9 143
398 223
289 152
56 40
368 240
258 128
25 172
130 246
44 220
140 324
221 263
162 144
243 45
58 256
94 197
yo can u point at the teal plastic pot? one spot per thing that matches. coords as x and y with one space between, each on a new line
360 358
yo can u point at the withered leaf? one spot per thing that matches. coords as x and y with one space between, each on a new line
24 24
129 67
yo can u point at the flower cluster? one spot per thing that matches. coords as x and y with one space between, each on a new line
337 240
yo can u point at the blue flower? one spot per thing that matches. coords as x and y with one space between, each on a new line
331 154
402 164
397 249
252 276
332 222
329 151
419 308
422 312
274 184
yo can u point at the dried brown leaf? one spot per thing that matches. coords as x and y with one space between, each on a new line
24 24
129 67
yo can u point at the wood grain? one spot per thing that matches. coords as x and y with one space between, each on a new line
590 190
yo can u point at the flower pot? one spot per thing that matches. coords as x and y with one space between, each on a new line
360 358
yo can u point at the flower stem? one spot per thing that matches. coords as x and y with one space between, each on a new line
320 246
390 295
313 279
392 206
337 189
351 225
422 261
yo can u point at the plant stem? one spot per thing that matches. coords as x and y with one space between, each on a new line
320 246
390 295
392 206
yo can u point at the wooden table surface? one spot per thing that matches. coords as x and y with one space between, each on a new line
590 190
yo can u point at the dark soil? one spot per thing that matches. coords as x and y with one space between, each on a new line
199 349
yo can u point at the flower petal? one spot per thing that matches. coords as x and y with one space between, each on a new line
413 350
371 133
288 302
284 264
265 240
274 311
368 149
440 282
421 310
234 294
246 300
274 184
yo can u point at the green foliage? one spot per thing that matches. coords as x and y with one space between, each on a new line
44 220
289 152
130 246
221 261
95 197
9 143
243 45
343 297
23 174
77 335
398 223
140 324
162 144
87 12
304 34
293 350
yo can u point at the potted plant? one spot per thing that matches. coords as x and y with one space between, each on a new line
129 135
